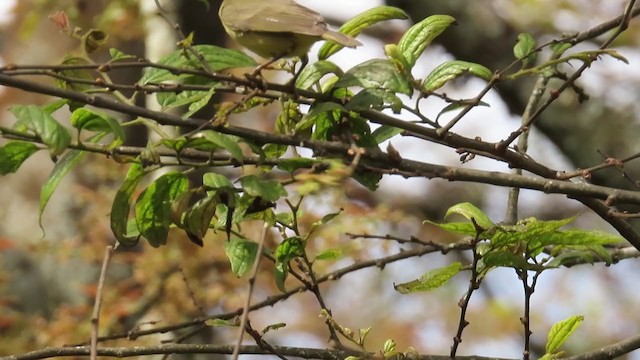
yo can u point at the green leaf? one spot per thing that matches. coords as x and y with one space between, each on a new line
523 50
377 99
213 180
470 211
281 271
273 327
330 254
561 331
13 154
450 70
293 164
420 35
197 218
83 118
289 249
464 228
376 74
241 253
217 59
52 134
431 280
502 258
325 219
85 75
222 322
60 170
396 56
312 73
355 25
153 206
386 132
559 48
269 190
457 105
122 203
224 141
580 237
195 99
119 55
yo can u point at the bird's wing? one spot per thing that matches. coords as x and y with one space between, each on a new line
282 17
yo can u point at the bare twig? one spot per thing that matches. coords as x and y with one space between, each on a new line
252 281
95 317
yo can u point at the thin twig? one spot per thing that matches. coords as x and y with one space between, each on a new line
252 282
95 317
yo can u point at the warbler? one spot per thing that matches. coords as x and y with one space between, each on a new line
277 28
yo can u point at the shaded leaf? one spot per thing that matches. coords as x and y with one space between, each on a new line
13 154
376 74
269 190
217 58
312 73
153 206
122 203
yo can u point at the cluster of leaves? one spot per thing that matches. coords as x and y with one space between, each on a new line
189 77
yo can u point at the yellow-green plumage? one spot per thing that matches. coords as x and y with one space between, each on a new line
277 28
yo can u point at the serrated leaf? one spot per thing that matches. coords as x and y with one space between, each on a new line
241 253
470 211
122 203
217 59
560 332
153 206
269 190
420 35
325 219
355 25
450 70
501 258
431 280
13 154
42 124
312 73
376 74
580 237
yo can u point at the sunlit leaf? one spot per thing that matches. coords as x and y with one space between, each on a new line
431 280
241 253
